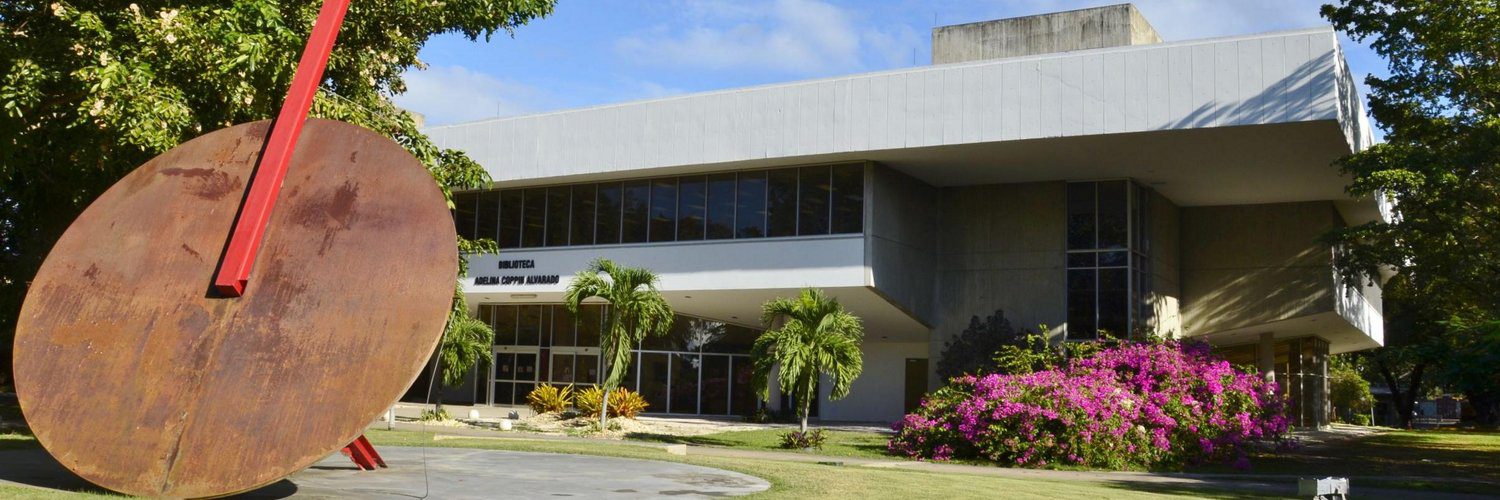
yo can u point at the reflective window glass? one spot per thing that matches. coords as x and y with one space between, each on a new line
534 218
692 207
812 202
750 205
463 213
848 199
583 215
781 202
637 210
664 209
487 215
557 216
720 206
684 388
1081 216
607 227
1113 224
510 218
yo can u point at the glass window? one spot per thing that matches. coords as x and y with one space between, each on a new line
463 213
848 199
664 209
653 373
590 319
505 325
607 231
1081 216
781 202
1108 286
1114 302
685 383
510 218
637 201
487 216
563 327
715 386
586 370
562 368
813 201
534 218
583 215
529 331
741 398
1082 284
692 207
750 205
1113 225
557 216
720 206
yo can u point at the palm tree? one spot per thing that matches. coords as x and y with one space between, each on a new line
466 344
816 336
636 309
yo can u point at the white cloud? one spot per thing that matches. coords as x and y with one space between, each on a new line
799 37
450 94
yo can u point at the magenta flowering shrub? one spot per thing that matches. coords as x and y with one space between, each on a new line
1134 406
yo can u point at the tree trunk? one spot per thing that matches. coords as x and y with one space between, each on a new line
604 399
437 382
1412 386
1403 400
803 405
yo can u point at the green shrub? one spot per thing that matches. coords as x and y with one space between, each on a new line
548 398
438 415
1349 392
798 440
622 403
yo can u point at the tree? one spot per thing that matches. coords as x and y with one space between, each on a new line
90 90
806 337
636 310
1440 163
973 351
466 345
1440 166
1348 390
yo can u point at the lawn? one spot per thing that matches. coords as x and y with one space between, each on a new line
801 480
839 443
1467 461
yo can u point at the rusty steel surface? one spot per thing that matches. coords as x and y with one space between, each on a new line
137 377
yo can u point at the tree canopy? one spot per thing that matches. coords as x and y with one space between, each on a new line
1440 165
808 336
636 310
90 90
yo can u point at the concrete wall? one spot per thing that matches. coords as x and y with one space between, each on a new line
901 235
1247 265
1000 247
1166 261
879 394
1109 26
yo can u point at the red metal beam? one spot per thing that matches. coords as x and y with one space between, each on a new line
265 184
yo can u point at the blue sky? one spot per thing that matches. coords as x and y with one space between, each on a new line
592 52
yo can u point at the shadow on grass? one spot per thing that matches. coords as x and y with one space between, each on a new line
1205 490
692 440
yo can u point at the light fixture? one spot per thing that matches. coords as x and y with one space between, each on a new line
687 296
522 295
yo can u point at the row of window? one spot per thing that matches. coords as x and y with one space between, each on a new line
752 204
545 325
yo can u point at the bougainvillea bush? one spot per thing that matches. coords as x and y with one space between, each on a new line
1131 406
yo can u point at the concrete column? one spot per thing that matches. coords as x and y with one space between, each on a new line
1265 356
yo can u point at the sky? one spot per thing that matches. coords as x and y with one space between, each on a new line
592 52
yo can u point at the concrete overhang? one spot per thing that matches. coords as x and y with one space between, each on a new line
1248 119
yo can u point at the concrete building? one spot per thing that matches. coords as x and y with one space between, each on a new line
1071 169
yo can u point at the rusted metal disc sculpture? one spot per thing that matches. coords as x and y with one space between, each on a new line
140 379
183 339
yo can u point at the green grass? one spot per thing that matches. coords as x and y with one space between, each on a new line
1466 461
802 480
838 443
